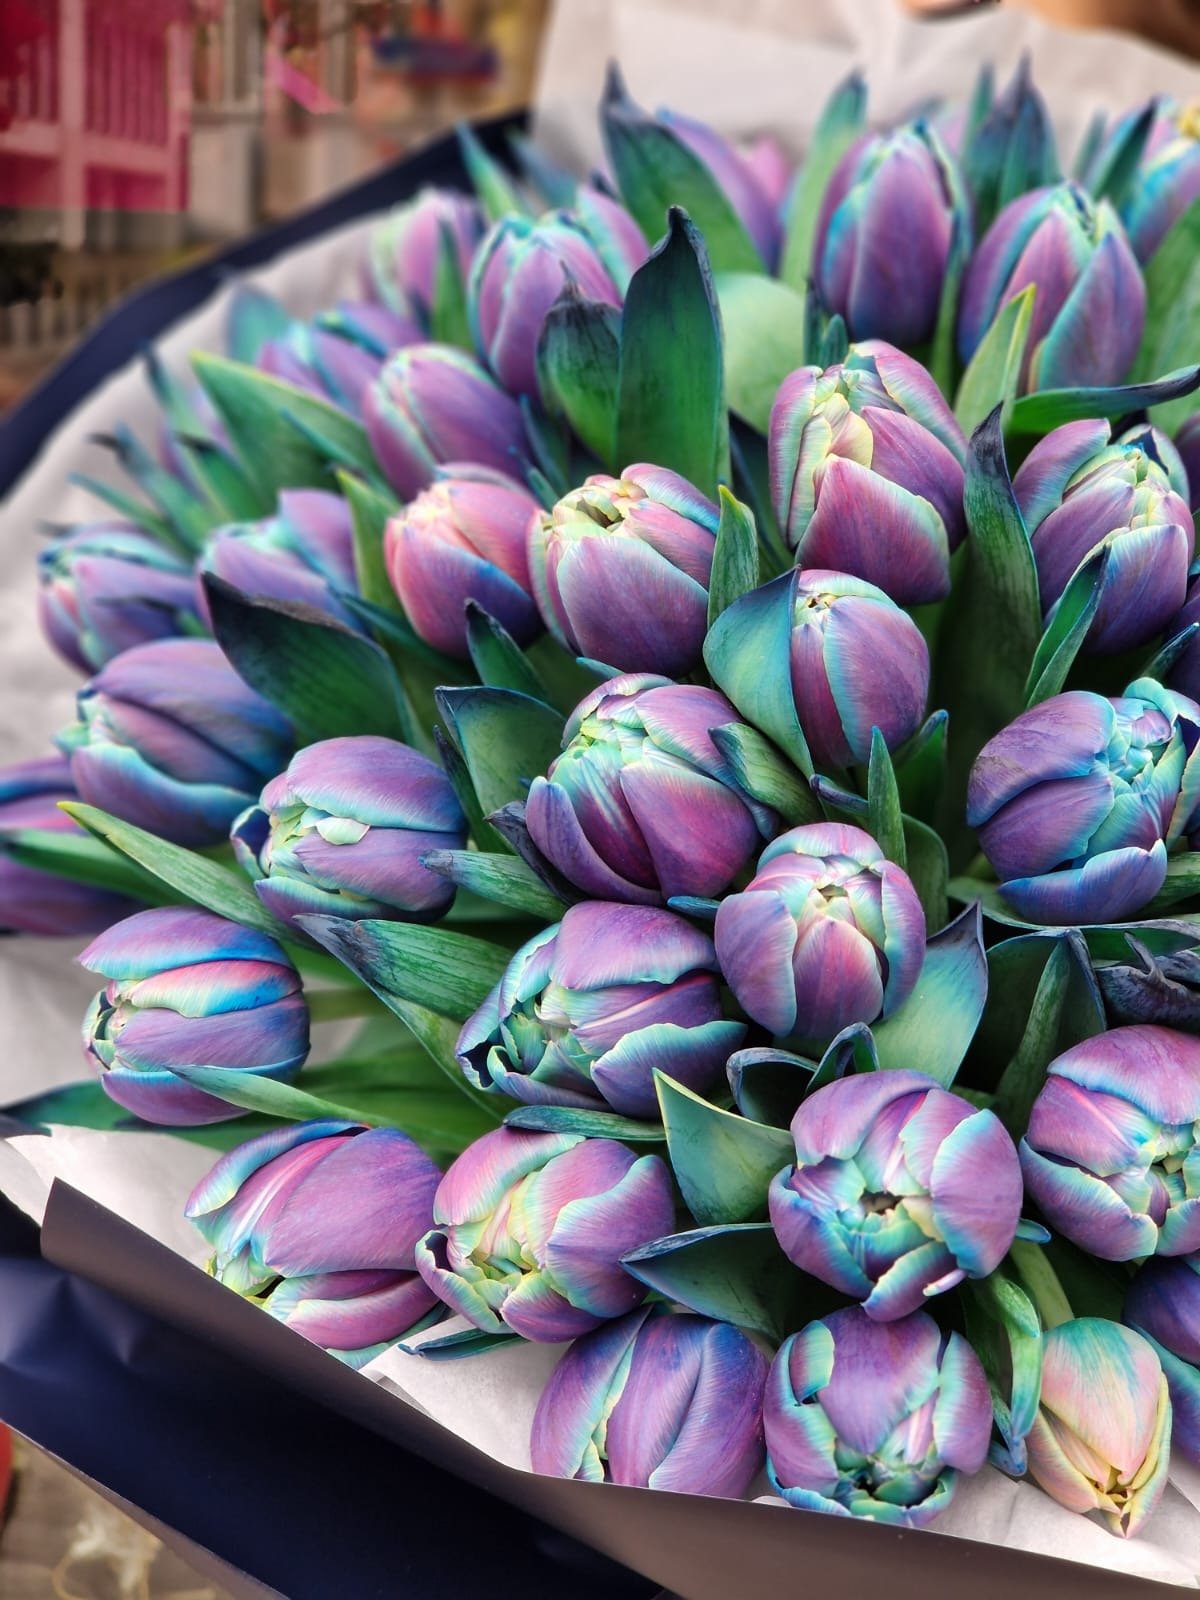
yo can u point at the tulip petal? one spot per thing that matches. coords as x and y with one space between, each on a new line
1111 886
556 831
699 833
879 531
451 1287
837 979
694 1057
592 1234
1086 1209
755 938
976 1190
1042 478
630 607
962 1415
882 1373
1095 337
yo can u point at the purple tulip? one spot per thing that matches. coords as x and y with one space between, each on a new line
1090 304
1076 801
828 932
529 1231
189 988
866 472
402 260
1078 493
883 235
304 553
589 1007
319 1222
31 900
738 176
107 586
619 242
1167 178
621 568
1163 1304
341 833
432 404
875 1420
641 805
322 364
900 1191
772 167
658 1400
1111 1154
171 739
464 538
374 327
1101 1440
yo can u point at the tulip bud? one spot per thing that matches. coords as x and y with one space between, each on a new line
171 739
887 187
189 988
529 1231
1078 493
619 242
400 268
657 1400
621 569
1167 177
105 587
431 404
373 327
33 901
876 1420
866 472
1111 1153
900 1191
588 1008
1090 305
1101 1439
1163 1305
828 932
304 553
464 538
321 364
641 805
1076 800
318 1222
341 833
737 175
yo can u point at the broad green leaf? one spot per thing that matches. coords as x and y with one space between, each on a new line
192 517
883 802
1182 882
504 879
83 858
764 324
505 739
928 866
994 370
735 557
449 973
1172 309
1065 633
933 1029
578 363
497 657
723 1162
921 768
228 487
1006 1333
765 773
456 1346
769 1083
133 509
591 1124
1050 408
449 320
370 510
843 118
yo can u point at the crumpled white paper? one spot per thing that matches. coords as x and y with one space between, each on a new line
748 66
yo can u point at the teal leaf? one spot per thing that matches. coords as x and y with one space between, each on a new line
84 859
943 354
994 370
768 1083
497 657
497 193
448 973
1065 633
735 557
1050 408
370 510
723 1162
928 866
921 768
886 823
191 518
764 323
506 739
449 319
743 652
766 774
455 1346
591 1124
1161 662
578 364
504 879
933 1029
1114 176
133 509
1182 882
843 118
254 318
1172 309
1006 1333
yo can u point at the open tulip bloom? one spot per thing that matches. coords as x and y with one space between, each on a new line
684 690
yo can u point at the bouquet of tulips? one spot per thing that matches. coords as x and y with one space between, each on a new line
708 673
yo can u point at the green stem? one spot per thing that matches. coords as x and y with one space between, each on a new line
1042 1284
332 1005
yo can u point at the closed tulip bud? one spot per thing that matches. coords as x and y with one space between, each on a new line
619 242
401 264
105 587
887 187
658 1400
875 1420
529 1231
1111 1154
641 805
464 538
900 1190
827 932
866 472
1167 177
189 988
341 833
1090 304
33 901
1163 1305
321 364
318 1222
621 568
588 1008
1079 493
304 553
375 328
432 404
1101 1439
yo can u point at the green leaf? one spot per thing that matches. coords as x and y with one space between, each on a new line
943 355
886 824
1116 174
578 364
226 484
327 679
254 318
929 868
449 320
933 1029
370 510
1050 408
1064 635
994 370
449 973
769 1083
764 324
82 858
191 517
498 194
591 1124
74 1105
497 657
765 773
921 768
1161 662
505 739
455 1346
1182 882
671 391
1172 308
735 557
843 118
502 878
1006 1333
132 509
723 1162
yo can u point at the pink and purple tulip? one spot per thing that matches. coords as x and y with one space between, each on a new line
319 1223
1112 1152
642 805
1167 178
621 568
170 739
827 933
304 553
464 538
1163 1305
191 989
107 586
899 1191
1101 1439
31 900
529 1230
432 404
1090 304
321 364
590 1007
341 833
866 472
883 235
658 1399
875 1420
401 264
1079 493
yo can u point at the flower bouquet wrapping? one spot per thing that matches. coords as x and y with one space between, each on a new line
632 796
